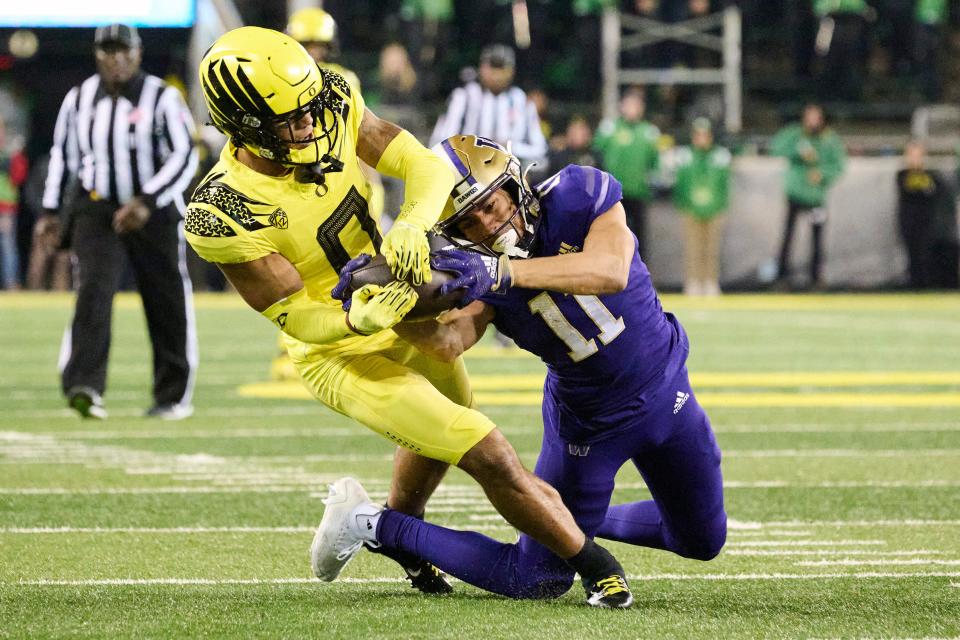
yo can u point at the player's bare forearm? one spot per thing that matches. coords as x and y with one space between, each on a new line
263 281
375 135
454 332
603 266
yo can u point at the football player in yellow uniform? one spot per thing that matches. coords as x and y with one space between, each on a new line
316 30
283 211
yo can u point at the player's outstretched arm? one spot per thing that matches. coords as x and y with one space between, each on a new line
602 267
447 337
427 183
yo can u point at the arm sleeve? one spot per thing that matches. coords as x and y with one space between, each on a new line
64 154
181 164
308 321
427 181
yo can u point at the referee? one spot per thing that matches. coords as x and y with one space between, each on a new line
493 107
128 138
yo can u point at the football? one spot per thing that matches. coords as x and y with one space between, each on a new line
429 304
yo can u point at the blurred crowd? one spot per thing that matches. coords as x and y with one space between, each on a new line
665 143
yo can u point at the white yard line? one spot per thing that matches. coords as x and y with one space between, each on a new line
252 411
734 532
382 580
804 543
174 530
63 491
862 523
839 453
854 562
297 529
849 427
828 552
225 434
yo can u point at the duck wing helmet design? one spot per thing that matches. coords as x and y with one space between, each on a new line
260 86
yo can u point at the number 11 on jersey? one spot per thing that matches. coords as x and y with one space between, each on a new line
580 347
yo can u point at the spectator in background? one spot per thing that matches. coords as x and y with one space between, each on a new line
841 44
816 159
924 202
701 195
13 173
395 97
628 146
586 30
576 147
930 15
427 31
397 84
130 209
492 107
656 55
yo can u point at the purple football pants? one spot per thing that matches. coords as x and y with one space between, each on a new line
673 448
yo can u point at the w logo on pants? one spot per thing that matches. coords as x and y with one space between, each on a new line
578 449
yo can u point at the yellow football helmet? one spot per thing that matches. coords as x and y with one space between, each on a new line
259 83
312 25
482 167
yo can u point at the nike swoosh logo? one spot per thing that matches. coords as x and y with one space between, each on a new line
414 573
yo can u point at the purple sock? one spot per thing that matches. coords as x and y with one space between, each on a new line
521 570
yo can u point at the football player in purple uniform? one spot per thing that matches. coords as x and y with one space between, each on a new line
557 269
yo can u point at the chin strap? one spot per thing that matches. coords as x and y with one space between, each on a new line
316 173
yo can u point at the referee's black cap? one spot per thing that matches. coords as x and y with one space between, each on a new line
122 34
498 55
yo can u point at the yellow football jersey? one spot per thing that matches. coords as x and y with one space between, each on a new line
238 215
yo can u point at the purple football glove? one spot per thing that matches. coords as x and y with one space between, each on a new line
477 273
340 292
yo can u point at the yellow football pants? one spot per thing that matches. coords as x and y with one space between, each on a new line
417 402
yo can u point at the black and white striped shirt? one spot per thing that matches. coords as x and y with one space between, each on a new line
504 117
138 143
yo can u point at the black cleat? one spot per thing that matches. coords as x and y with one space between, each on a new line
610 592
426 578
423 576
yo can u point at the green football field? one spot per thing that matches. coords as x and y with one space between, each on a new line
838 416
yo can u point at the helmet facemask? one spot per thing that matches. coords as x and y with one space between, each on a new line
315 155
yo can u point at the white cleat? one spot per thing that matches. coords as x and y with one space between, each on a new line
345 526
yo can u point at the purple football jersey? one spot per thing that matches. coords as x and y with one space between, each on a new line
605 354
